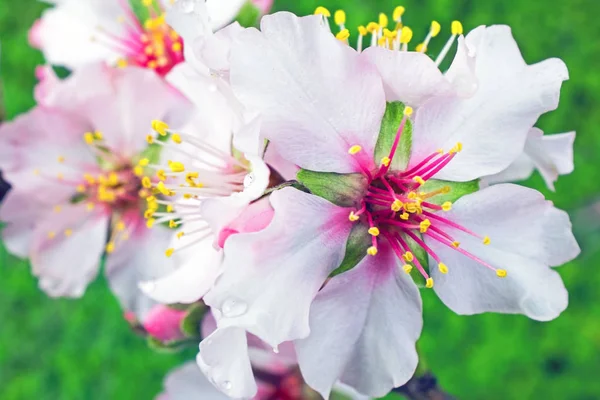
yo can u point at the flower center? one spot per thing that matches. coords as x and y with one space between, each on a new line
399 209
179 187
150 43
393 36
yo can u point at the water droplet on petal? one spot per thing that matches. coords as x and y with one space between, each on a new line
276 350
225 385
233 308
248 180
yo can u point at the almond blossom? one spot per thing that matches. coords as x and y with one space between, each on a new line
76 165
391 151
76 32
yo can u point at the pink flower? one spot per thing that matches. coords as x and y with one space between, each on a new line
164 323
77 194
392 150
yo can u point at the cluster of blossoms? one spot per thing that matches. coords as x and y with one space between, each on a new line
280 196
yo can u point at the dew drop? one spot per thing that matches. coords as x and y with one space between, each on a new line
276 350
225 385
233 308
248 180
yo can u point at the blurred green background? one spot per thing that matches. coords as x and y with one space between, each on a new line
62 349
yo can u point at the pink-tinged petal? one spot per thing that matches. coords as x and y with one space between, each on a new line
66 250
216 49
164 323
552 155
121 103
364 325
222 12
251 218
223 358
462 72
409 77
317 96
47 81
199 266
66 33
187 383
527 236
283 167
308 236
493 124
21 213
138 259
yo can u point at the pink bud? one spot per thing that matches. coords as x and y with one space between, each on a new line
263 5
163 323
34 34
256 217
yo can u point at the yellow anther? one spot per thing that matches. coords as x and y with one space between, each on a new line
51 235
172 224
372 27
396 205
354 149
339 17
342 35
443 268
61 159
170 208
456 244
412 195
385 161
160 127
163 189
406 35
405 216
440 151
144 162
161 174
374 231
383 20
80 188
110 247
446 189
456 149
138 171
146 182
429 283
447 206
486 240
176 166
353 217
180 235
411 207
148 213
122 63
68 232
372 251
176 47
398 13
421 48
322 11
169 252
457 28
98 135
389 34
435 28
501 273
424 225
57 208
362 31
120 226
408 111
143 193
36 171
150 222
187 196
90 206
407 268
419 180
113 179
88 137
408 256
147 3
149 139
382 41
176 138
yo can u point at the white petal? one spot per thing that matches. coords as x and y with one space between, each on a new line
65 264
199 266
223 12
359 332
21 213
409 77
188 383
527 235
462 74
307 237
224 360
316 95
493 124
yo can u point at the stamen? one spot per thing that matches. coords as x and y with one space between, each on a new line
457 29
354 149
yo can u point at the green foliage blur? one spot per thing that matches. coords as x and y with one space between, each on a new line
65 349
